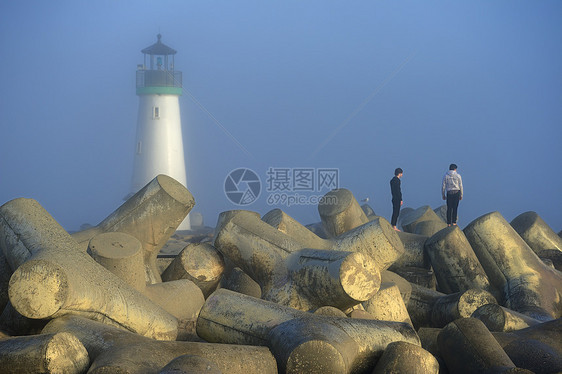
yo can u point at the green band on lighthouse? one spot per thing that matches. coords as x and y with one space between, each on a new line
159 90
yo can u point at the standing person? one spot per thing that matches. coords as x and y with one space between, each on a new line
396 196
451 190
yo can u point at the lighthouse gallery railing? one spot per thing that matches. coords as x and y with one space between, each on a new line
159 78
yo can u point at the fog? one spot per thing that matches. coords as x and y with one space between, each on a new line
359 87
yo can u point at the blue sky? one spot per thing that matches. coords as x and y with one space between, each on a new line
362 87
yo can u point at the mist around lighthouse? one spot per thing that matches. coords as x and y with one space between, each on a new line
359 88
254 143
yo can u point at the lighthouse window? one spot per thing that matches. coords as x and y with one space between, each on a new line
155 112
139 148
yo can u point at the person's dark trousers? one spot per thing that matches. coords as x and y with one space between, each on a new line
452 206
395 212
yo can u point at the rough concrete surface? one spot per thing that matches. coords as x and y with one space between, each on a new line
269 294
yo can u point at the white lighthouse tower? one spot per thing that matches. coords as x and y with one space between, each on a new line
159 144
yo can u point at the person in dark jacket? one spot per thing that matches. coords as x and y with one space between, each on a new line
396 192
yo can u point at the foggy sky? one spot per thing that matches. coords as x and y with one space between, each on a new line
362 87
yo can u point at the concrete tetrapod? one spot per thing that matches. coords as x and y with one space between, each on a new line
59 278
256 247
234 318
429 308
262 252
319 277
293 228
536 233
441 212
227 215
534 356
113 350
340 212
459 305
404 286
402 357
456 266
46 353
528 285
424 213
312 344
151 215
19 215
499 318
387 304
297 338
200 263
414 251
368 210
429 227
548 333
420 305
414 264
122 254
309 279
375 238
467 346
236 280
536 348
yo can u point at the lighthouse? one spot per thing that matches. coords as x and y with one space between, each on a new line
159 143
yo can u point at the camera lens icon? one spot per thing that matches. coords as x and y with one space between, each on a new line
242 186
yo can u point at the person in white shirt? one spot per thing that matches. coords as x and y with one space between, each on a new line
452 191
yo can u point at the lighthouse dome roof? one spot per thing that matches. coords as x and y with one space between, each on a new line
159 48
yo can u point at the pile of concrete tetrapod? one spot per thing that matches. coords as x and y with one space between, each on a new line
270 295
